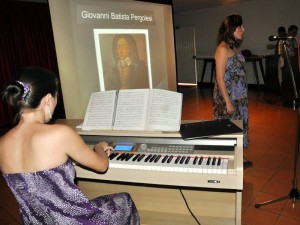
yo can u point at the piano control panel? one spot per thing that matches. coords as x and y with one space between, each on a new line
166 148
151 148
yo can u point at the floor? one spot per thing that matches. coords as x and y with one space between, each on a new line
273 130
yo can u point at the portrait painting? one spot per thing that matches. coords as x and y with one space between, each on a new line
123 59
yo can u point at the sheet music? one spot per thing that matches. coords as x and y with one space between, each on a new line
131 109
134 109
164 108
100 111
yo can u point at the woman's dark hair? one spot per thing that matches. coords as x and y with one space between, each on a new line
132 47
226 30
30 86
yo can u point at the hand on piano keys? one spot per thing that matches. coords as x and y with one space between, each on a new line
106 148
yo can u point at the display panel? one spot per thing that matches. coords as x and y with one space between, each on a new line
92 38
124 147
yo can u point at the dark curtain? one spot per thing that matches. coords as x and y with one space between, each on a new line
26 39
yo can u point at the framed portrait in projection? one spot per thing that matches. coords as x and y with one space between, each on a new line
123 58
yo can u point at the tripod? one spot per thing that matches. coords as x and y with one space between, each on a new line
294 193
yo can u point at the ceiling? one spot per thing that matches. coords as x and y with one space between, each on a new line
188 5
185 5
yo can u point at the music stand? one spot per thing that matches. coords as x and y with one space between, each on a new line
294 193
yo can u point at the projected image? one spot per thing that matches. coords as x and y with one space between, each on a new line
123 59
85 33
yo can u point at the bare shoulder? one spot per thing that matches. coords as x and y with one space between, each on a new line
62 131
63 138
61 127
223 50
9 137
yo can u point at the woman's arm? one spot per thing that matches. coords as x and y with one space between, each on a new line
221 58
79 151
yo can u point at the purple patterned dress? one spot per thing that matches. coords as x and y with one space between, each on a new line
236 84
51 197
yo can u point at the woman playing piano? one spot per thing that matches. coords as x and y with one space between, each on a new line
35 160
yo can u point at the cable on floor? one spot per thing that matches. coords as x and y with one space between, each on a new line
187 205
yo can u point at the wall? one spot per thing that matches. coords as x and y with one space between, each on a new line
261 19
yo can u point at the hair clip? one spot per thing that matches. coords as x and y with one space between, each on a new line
26 89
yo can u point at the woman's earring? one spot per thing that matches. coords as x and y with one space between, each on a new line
49 111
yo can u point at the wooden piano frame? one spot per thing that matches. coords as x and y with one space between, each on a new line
157 194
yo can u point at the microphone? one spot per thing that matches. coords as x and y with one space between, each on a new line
277 38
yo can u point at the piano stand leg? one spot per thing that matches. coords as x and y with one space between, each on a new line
294 194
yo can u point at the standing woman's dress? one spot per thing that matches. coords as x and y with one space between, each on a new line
236 84
51 197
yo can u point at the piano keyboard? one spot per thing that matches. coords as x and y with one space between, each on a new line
170 163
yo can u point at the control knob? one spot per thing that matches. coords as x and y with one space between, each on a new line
143 147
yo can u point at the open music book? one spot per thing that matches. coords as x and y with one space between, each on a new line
134 109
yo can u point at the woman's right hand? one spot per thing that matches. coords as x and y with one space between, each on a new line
104 147
230 108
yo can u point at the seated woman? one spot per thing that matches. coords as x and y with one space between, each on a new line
35 159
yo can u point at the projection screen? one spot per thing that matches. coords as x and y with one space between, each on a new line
88 37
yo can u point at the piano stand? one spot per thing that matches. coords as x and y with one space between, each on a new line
164 205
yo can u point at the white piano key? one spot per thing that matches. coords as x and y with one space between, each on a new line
224 166
204 165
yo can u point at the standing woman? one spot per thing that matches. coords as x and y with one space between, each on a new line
36 161
230 100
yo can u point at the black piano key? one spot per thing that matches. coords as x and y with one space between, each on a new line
120 156
214 161
177 159
208 161
113 155
200 160
129 156
136 157
170 159
124 157
152 158
165 159
195 160
148 158
219 161
141 157
157 158
182 159
187 160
